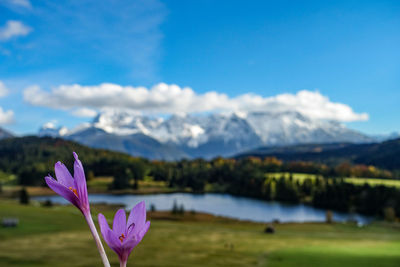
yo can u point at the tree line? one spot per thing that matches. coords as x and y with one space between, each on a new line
32 158
326 188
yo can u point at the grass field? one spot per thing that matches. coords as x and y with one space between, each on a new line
296 176
354 180
58 236
373 181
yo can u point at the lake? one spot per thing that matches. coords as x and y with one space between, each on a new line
223 205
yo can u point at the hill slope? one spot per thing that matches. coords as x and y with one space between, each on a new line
32 158
138 144
384 155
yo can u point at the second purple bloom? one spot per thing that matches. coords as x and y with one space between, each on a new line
125 235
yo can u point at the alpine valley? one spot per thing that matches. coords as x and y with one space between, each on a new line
205 136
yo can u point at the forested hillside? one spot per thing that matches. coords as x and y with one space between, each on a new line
31 158
384 155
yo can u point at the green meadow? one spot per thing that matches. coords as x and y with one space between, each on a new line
58 236
354 180
296 176
373 181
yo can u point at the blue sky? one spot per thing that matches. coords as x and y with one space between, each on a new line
344 52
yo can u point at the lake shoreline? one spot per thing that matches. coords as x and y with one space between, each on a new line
225 205
153 190
39 191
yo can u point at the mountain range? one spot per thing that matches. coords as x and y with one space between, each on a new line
206 136
5 134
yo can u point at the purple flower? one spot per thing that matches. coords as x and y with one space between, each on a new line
124 235
73 190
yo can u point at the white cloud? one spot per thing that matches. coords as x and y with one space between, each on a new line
50 125
85 112
3 89
163 98
13 28
6 117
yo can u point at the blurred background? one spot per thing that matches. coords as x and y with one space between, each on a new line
259 133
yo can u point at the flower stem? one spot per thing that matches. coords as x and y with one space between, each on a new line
122 264
96 237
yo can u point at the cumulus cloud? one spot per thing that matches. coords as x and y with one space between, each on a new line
13 28
3 89
163 98
84 112
50 124
6 117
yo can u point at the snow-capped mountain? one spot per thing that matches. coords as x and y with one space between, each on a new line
286 128
50 129
203 136
5 134
385 137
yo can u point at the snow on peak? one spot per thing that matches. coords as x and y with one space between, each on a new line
50 129
121 122
237 129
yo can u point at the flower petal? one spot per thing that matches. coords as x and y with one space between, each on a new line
80 181
138 234
63 191
119 223
138 216
131 232
104 227
143 231
129 245
133 240
63 176
113 242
